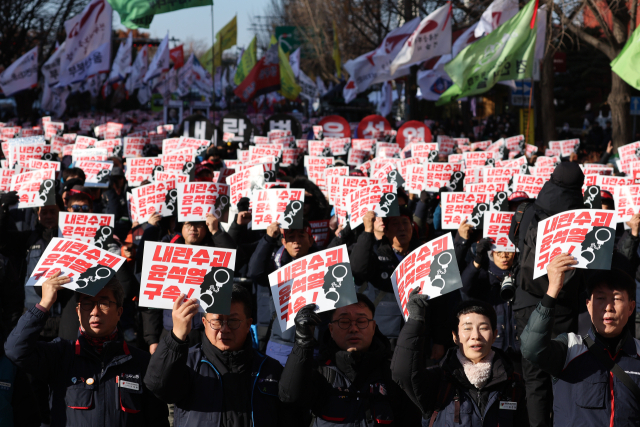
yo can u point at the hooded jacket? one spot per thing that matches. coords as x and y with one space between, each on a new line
444 394
560 194
346 388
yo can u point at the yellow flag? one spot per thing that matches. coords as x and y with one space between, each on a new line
225 39
248 60
336 51
288 86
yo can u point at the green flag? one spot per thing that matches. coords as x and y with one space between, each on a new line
505 54
627 63
288 86
248 60
131 11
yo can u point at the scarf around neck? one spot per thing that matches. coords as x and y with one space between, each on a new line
477 373
98 342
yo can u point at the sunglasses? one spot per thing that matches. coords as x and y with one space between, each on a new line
80 208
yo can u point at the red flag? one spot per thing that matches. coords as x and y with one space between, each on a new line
263 78
177 56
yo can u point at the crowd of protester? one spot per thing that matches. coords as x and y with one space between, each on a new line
484 355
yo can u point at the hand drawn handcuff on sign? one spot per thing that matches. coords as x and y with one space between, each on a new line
44 195
385 206
455 178
295 205
102 174
215 288
338 278
103 238
591 196
475 220
501 196
596 246
97 277
444 264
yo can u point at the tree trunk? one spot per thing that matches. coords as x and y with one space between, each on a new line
619 100
546 98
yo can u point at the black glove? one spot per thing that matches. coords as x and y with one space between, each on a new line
8 199
417 305
306 320
482 250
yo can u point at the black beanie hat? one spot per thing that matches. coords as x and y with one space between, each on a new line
568 175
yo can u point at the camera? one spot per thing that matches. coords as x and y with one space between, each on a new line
507 288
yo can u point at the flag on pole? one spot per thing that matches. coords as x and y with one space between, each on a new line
626 63
288 86
294 60
432 38
177 56
88 44
505 54
51 68
138 13
263 78
138 70
122 64
225 39
160 61
498 12
247 62
336 51
20 75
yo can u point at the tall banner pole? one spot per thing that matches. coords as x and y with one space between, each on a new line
213 46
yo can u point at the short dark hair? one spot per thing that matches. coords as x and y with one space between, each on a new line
80 197
241 294
73 172
619 278
116 289
478 307
362 299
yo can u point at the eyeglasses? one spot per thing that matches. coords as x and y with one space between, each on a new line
194 224
80 208
503 254
361 323
103 305
233 324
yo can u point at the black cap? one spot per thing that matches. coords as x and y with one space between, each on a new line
70 183
568 175
116 171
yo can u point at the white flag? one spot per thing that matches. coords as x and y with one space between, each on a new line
202 78
309 89
498 12
322 89
138 70
20 75
144 94
160 61
434 82
431 38
374 67
386 100
88 43
122 64
54 99
51 68
294 60
186 76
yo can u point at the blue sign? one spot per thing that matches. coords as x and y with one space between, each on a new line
635 105
520 95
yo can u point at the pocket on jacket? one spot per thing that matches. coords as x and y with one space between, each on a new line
130 400
591 394
79 397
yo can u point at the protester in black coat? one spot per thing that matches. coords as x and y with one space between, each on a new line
351 382
95 379
223 380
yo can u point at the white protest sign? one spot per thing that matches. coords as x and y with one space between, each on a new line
627 200
35 188
323 278
432 267
380 198
275 205
140 169
97 173
89 267
457 206
587 234
197 199
198 272
83 226
496 227
148 199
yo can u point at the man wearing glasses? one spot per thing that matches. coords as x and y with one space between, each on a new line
221 381
79 202
95 379
351 382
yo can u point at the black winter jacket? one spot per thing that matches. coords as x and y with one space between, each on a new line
348 388
444 394
86 387
214 388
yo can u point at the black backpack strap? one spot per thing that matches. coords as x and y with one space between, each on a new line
598 352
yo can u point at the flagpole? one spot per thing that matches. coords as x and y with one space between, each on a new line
213 46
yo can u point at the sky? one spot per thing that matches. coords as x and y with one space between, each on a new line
195 22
